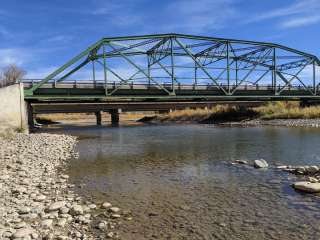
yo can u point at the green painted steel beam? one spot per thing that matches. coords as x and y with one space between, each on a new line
62 68
195 37
73 70
167 97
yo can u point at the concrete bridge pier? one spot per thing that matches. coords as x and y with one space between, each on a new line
114 117
98 118
305 103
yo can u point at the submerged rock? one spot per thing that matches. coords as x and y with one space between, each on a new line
106 205
114 209
76 210
260 163
307 187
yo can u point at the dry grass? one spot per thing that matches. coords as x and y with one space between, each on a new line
187 114
218 113
64 116
287 110
89 117
272 110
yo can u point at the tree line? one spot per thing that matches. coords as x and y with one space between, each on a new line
10 75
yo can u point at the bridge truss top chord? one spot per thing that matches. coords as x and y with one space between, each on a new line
174 65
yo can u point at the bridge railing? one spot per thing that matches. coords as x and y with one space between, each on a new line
28 83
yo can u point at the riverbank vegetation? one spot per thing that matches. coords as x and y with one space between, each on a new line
219 113
271 110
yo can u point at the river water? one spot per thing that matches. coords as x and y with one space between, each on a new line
178 182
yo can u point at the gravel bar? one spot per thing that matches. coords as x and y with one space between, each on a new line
36 199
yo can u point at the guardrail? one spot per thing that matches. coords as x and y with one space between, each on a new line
28 83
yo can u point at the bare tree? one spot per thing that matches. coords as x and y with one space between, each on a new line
10 75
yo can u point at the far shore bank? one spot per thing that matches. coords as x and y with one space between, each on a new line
314 123
288 114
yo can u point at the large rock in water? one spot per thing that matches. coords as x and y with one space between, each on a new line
260 163
307 187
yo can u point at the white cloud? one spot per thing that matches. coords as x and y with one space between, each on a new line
120 14
39 73
13 56
59 38
199 16
300 21
177 16
300 13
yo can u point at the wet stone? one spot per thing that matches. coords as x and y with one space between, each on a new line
261 163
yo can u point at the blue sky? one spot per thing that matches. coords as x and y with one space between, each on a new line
42 35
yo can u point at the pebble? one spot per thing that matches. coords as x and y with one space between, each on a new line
24 210
102 225
92 206
114 209
64 210
40 198
62 222
56 206
110 235
76 210
106 205
47 223
23 233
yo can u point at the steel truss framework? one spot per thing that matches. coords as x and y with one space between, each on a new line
168 62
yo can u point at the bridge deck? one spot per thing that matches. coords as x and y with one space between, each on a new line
83 91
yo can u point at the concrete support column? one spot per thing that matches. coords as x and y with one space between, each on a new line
305 103
31 122
98 118
114 116
164 111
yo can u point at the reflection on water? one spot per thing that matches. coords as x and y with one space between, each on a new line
178 183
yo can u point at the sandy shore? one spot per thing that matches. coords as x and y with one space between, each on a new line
36 199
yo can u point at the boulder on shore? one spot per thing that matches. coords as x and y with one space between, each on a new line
307 187
260 163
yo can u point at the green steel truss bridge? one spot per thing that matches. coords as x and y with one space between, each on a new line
176 67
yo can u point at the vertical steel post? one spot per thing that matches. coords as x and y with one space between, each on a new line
274 69
236 72
149 72
105 69
228 68
172 67
195 74
314 78
94 73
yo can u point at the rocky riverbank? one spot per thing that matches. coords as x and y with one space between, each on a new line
36 199
315 123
